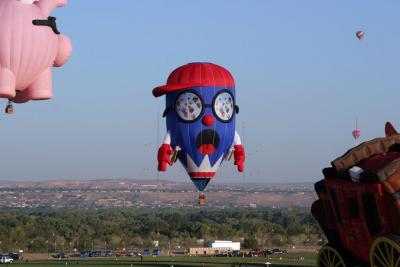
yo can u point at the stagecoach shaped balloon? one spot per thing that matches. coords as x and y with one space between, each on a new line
30 44
200 112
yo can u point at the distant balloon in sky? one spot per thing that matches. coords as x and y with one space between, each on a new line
356 133
360 35
200 112
30 44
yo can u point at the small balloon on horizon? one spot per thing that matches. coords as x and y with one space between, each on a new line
356 134
360 35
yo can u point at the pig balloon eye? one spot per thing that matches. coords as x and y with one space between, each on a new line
224 106
188 106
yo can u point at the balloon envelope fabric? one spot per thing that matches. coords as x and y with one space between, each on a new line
29 45
200 115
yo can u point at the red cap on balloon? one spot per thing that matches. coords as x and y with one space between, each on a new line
195 75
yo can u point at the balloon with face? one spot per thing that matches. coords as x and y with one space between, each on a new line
200 113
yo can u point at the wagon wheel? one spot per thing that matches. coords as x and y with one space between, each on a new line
385 252
329 256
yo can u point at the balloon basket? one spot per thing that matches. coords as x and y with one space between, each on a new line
9 109
202 200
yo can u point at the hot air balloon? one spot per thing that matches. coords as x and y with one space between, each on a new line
356 133
360 35
30 44
200 114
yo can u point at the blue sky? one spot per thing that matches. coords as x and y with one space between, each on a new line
302 79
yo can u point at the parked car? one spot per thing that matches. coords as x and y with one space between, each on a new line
15 256
120 254
85 254
95 254
222 254
252 254
259 252
275 251
237 253
61 255
156 252
6 259
108 253
146 252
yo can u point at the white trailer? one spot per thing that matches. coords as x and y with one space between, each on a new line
235 246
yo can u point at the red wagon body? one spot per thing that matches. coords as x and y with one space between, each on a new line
358 206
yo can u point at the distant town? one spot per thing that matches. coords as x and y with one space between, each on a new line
129 193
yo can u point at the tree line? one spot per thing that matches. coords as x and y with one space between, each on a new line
112 229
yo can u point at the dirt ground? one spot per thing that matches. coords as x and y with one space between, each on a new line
35 256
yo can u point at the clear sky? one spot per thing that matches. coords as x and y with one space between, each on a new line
302 79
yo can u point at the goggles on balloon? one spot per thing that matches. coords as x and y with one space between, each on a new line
190 106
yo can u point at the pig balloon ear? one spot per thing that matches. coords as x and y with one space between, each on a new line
47 6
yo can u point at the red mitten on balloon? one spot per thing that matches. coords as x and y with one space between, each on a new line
240 157
164 157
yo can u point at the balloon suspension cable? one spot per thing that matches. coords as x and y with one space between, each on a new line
158 141
158 173
357 130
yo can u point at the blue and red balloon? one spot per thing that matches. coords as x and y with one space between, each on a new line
200 113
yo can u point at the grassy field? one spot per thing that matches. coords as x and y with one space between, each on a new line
288 259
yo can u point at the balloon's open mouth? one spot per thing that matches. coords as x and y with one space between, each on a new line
207 142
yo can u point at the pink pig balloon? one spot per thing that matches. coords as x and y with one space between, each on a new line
29 45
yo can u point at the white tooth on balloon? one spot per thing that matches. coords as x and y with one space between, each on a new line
205 165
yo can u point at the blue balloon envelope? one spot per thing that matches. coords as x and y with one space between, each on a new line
200 114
